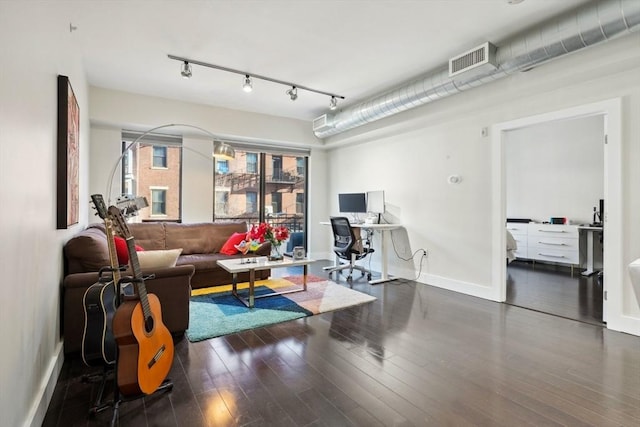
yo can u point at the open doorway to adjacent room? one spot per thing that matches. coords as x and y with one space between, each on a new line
554 179
556 285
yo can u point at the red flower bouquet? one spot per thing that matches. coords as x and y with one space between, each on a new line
267 232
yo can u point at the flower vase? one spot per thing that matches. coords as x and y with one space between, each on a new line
276 254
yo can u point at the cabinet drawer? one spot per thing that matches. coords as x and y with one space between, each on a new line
517 229
554 242
553 255
557 230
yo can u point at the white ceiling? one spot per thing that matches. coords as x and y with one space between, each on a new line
354 48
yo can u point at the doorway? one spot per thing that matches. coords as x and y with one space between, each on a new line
555 170
612 259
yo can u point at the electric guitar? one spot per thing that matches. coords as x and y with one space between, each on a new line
145 345
99 303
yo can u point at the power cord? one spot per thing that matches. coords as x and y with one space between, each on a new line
421 251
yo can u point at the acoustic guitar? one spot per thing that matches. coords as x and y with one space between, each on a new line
145 345
99 302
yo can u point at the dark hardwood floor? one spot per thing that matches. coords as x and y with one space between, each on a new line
417 356
554 290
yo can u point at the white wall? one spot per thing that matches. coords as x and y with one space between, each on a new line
33 52
410 155
555 169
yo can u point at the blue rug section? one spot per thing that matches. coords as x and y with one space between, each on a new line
218 314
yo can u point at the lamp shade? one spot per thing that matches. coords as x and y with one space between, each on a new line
223 151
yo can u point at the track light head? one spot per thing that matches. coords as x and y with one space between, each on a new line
293 93
333 104
186 70
247 86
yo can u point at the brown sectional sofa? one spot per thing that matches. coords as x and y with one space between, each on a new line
196 267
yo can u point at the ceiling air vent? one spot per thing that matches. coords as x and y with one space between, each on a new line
477 59
322 123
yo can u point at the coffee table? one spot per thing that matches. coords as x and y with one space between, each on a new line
241 265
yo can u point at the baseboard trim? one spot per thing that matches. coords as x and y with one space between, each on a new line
466 288
45 392
626 324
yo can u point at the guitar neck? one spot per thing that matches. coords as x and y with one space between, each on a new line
113 256
137 274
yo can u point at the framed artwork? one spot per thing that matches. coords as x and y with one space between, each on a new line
68 197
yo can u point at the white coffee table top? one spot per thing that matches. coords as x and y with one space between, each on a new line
239 265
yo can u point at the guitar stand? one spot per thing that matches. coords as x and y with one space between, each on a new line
99 405
118 399
166 386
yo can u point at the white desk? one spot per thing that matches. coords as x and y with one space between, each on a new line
385 230
590 232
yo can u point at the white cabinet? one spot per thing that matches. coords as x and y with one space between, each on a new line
554 242
547 242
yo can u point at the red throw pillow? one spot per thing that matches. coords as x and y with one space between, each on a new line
122 251
229 246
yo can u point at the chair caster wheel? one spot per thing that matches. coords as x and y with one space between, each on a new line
369 276
349 279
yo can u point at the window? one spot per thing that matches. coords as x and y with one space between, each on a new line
158 201
299 203
154 164
276 164
260 186
276 202
222 166
300 166
159 156
222 204
252 202
252 163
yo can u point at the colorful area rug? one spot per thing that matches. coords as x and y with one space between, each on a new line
214 311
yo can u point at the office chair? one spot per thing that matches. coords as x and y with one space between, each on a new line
347 247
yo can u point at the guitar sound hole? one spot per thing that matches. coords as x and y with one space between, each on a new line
148 324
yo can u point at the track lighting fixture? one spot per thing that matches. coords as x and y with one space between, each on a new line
293 93
186 70
247 85
333 104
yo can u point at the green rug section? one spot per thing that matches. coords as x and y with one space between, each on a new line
217 314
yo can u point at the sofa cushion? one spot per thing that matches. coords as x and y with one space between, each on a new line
122 251
164 258
201 238
204 262
229 247
149 235
87 251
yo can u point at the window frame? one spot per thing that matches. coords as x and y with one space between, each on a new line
165 157
153 190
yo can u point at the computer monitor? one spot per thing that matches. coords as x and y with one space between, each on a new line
352 202
375 202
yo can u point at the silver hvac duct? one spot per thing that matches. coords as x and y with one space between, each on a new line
586 26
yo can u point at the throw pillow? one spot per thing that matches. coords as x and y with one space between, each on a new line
229 247
159 259
121 250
